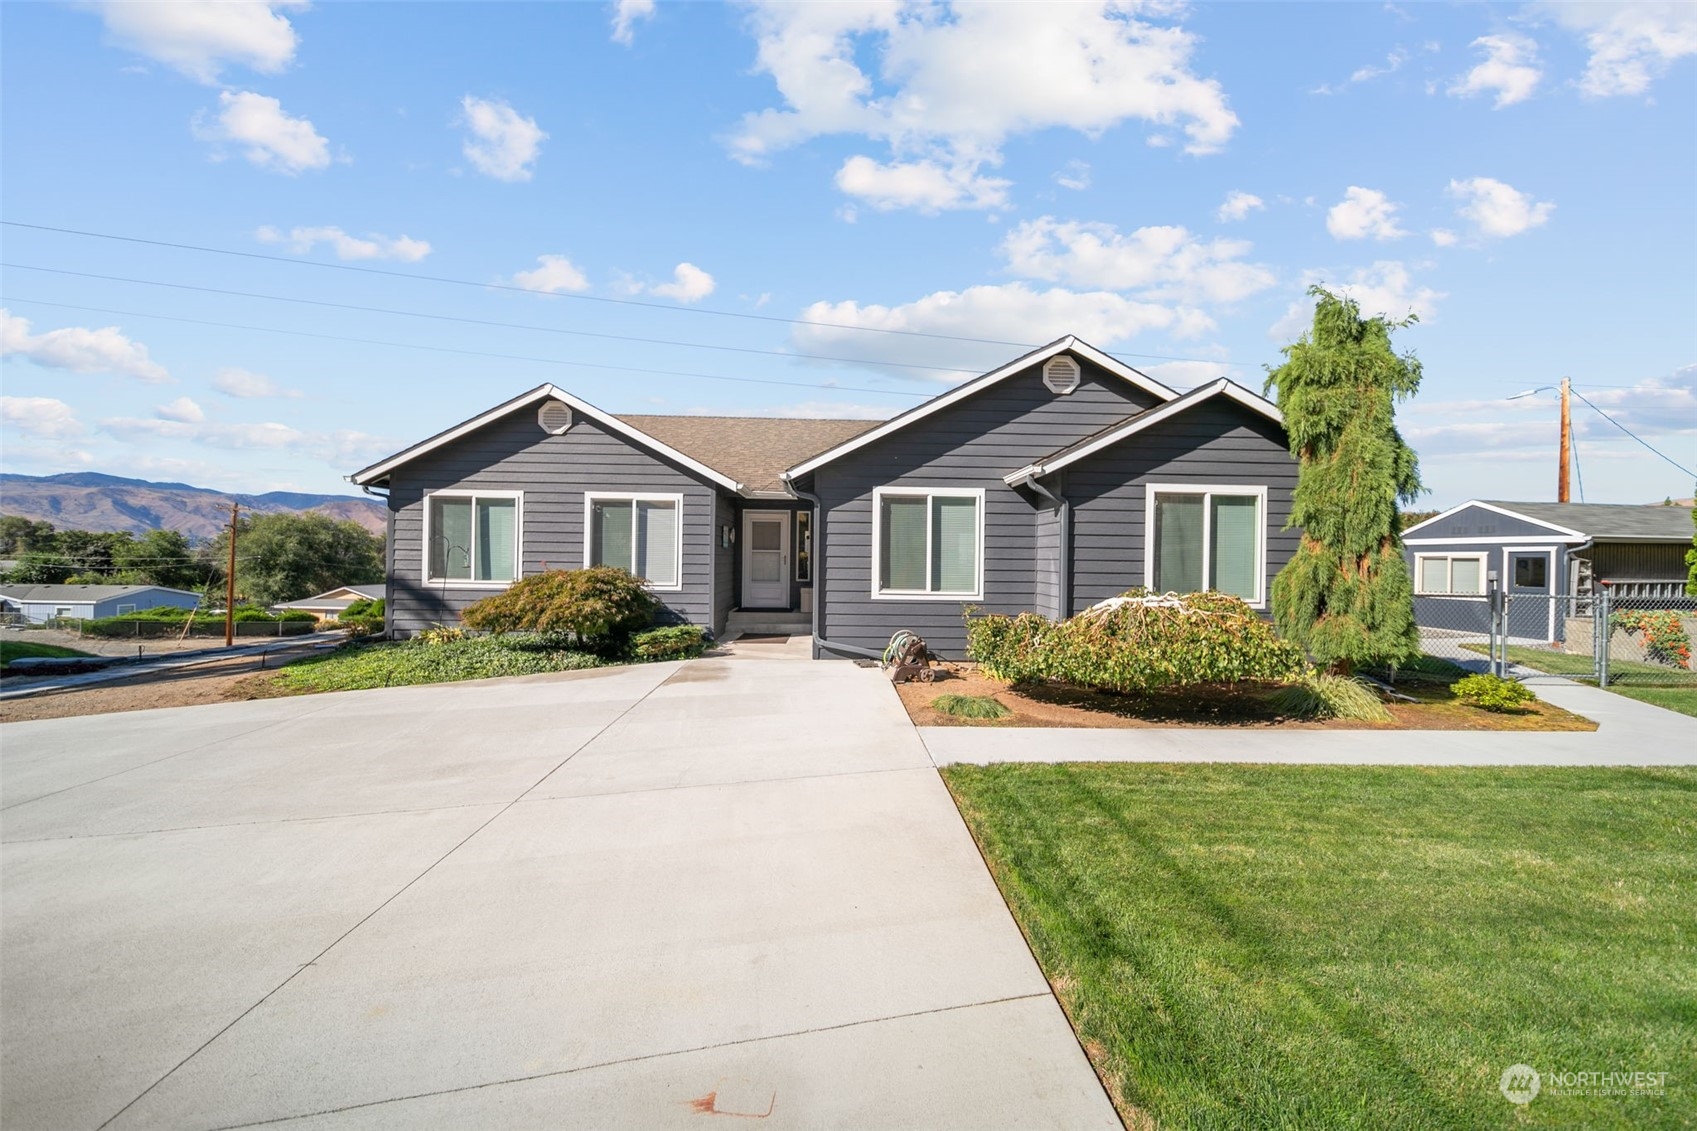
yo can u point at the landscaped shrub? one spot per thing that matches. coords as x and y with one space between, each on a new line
1323 696
365 608
165 620
356 666
1142 644
1493 693
971 706
601 606
679 642
1662 632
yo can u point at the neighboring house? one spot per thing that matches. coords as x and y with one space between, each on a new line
331 604
1050 483
38 603
1558 552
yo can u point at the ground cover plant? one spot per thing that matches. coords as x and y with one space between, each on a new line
1319 947
971 706
28 650
358 667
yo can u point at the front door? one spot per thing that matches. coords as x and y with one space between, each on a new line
1531 607
766 559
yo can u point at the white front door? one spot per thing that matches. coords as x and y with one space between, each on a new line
766 559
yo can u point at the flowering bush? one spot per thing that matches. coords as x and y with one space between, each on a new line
1138 643
1664 636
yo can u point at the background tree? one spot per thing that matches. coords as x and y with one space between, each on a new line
1691 557
159 557
284 557
1346 595
19 535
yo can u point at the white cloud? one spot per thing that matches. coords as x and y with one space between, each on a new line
1393 63
689 284
1364 212
1189 374
1239 205
1074 175
1009 313
247 385
78 349
555 274
625 15
340 446
273 140
926 185
183 410
817 410
1443 237
502 143
1655 405
953 82
198 37
40 416
1386 288
1631 44
1499 210
373 246
1510 68
1162 262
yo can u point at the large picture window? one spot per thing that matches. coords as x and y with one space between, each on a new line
928 543
639 533
1446 575
1206 538
472 538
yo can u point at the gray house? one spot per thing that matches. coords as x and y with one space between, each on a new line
1556 551
39 603
1052 482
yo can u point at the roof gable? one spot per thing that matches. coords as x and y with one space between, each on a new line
912 416
1580 521
1132 425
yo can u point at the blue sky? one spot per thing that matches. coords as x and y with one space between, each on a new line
1163 180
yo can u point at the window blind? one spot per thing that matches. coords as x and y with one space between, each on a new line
1234 543
497 540
1178 543
903 542
657 543
450 539
610 533
954 544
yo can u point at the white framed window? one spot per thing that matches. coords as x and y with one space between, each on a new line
1206 536
1449 575
642 533
928 543
473 539
126 609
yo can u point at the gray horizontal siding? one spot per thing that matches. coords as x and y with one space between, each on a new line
1480 522
1217 442
970 444
514 454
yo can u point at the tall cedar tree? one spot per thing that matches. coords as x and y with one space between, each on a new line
1346 595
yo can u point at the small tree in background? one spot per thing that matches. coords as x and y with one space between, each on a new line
1346 595
285 556
1691 555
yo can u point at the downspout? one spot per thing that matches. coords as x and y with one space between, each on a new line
819 641
1065 567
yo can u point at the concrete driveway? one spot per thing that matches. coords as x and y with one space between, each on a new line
636 897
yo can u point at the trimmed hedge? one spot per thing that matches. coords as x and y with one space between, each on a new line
679 642
1200 638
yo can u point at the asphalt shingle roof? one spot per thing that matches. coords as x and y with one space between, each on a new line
77 593
1609 520
753 450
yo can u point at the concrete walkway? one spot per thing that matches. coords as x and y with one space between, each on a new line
623 898
1629 733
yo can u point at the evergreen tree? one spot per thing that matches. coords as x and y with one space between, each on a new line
1346 595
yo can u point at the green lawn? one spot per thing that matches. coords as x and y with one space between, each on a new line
1681 699
1315 947
1650 683
25 650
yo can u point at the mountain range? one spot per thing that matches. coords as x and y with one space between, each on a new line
84 500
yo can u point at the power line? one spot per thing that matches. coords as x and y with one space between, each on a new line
465 352
1635 436
447 280
475 321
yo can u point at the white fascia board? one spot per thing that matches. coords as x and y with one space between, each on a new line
1495 510
1199 395
543 392
1068 344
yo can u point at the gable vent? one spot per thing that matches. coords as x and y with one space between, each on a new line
1061 373
555 417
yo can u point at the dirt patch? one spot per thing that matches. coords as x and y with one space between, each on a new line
222 681
1056 705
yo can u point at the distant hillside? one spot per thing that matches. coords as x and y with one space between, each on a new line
90 501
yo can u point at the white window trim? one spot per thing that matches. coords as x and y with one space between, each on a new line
1484 561
518 536
878 496
126 609
1549 578
590 498
1207 491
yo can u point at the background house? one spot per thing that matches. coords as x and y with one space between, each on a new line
331 604
39 603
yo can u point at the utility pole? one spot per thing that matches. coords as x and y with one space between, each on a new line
230 578
1566 444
